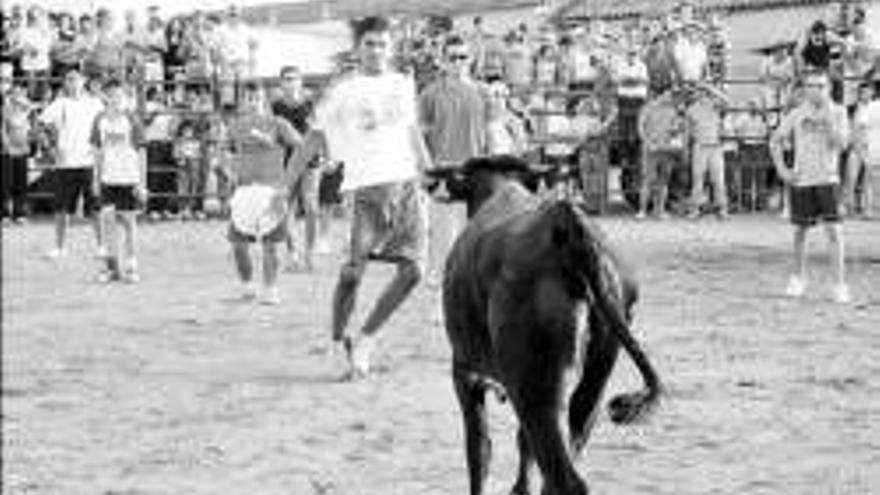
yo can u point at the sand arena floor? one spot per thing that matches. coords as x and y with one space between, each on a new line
170 387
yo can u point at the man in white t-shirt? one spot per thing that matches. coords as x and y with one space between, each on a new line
70 118
367 120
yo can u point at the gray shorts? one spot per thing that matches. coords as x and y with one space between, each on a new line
390 224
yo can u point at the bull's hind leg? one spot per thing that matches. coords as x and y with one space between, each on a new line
472 399
601 354
522 485
539 414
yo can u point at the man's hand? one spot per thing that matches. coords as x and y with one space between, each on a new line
786 175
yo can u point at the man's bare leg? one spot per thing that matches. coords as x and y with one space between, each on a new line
405 280
345 296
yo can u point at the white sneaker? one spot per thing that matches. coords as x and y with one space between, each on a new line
56 253
361 355
322 246
840 293
641 215
797 287
270 297
248 291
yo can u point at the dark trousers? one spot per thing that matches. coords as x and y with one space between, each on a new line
14 185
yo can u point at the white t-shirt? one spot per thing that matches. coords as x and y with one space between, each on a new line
73 120
632 78
691 58
235 42
869 117
118 137
368 122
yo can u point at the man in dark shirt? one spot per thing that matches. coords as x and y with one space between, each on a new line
296 108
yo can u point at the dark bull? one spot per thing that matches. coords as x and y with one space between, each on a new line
537 305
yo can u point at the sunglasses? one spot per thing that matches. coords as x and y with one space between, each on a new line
458 57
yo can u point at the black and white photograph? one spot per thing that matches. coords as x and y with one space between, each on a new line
440 247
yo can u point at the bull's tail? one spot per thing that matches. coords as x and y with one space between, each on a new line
589 269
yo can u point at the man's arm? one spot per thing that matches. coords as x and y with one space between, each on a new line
314 143
838 129
780 136
417 141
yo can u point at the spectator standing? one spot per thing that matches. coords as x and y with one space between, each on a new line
660 62
106 60
260 142
662 129
777 75
814 52
15 145
70 118
35 44
155 45
505 130
189 157
121 174
819 131
296 108
452 111
864 156
718 51
546 66
64 52
705 125
630 75
238 46
517 61
174 58
752 130
159 133
690 53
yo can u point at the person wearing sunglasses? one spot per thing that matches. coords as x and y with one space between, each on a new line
452 112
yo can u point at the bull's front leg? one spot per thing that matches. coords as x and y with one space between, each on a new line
471 395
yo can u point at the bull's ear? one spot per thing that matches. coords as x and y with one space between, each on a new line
458 186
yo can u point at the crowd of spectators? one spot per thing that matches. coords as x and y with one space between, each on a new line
40 45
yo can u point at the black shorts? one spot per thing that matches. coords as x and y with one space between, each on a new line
68 185
122 198
329 189
813 204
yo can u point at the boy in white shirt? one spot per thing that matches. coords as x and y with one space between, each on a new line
121 178
818 129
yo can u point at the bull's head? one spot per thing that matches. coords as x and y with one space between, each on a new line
479 178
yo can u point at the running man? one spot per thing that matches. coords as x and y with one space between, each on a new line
368 121
819 131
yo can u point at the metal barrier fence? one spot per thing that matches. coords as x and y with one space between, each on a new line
748 164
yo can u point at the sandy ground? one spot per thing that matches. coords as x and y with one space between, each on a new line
170 387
